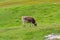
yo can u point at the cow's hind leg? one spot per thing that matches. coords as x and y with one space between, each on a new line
23 23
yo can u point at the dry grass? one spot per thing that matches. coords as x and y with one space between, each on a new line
26 2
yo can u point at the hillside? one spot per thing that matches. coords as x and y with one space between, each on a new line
45 12
25 2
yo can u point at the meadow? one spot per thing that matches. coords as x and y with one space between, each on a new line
47 17
29 0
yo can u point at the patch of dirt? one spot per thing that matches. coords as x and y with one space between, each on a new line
16 3
24 2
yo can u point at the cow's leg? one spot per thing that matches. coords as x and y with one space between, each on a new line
31 24
23 22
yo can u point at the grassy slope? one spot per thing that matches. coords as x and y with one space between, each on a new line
30 0
46 15
25 2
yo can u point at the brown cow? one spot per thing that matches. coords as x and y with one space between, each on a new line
28 19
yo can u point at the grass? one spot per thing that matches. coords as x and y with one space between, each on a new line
27 33
30 0
4 3
43 13
46 15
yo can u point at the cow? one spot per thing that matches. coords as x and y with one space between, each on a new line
28 19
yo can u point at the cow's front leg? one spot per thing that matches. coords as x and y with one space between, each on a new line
31 24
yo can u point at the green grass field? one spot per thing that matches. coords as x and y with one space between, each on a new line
47 17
